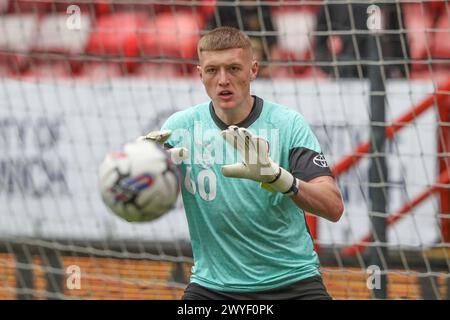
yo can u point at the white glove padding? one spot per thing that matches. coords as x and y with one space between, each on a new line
256 163
160 137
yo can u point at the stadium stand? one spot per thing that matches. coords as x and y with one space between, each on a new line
133 39
123 37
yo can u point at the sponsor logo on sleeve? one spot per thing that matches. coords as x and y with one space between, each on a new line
320 161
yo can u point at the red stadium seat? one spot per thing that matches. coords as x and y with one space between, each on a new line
205 9
172 36
131 36
117 35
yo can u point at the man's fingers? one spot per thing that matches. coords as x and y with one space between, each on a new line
262 147
237 170
253 149
257 148
251 141
159 136
232 137
244 133
246 137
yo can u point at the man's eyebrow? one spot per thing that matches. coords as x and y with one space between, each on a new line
223 64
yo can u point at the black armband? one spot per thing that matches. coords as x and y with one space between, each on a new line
306 164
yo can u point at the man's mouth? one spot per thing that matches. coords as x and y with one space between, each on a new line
225 93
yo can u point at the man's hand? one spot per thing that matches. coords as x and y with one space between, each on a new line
256 163
160 137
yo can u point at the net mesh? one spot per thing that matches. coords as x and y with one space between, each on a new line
79 79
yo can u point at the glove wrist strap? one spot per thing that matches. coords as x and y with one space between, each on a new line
285 183
293 190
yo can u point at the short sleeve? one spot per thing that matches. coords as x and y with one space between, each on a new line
306 160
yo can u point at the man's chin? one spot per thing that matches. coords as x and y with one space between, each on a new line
225 104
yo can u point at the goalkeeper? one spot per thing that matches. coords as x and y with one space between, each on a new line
246 218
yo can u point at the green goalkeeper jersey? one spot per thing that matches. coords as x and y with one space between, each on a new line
243 237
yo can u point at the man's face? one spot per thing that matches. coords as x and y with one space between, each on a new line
226 75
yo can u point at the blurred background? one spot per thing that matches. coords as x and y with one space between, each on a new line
81 78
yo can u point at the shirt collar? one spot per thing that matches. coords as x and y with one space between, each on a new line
247 122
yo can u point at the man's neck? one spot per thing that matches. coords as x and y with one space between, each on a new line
236 115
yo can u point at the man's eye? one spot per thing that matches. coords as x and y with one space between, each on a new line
234 69
210 70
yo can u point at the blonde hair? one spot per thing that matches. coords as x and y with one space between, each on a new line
223 38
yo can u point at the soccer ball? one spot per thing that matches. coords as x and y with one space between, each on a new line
139 183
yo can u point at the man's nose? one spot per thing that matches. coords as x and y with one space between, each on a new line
223 78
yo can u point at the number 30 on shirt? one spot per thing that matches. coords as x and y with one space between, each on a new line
206 184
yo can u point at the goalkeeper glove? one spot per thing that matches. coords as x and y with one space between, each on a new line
160 137
256 164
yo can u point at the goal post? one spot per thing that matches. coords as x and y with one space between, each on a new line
79 79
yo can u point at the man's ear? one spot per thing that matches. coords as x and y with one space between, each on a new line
254 70
199 70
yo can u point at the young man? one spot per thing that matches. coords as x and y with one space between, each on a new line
245 207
